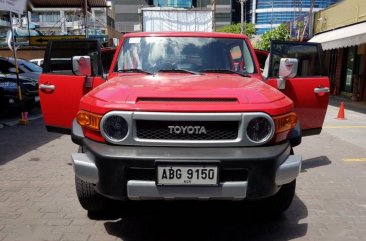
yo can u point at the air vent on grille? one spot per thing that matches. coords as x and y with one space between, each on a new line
145 174
233 175
225 100
187 130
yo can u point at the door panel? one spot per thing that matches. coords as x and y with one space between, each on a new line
60 97
309 90
60 90
309 106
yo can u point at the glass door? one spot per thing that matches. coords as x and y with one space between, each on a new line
350 65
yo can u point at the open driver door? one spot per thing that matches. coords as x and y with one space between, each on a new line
60 87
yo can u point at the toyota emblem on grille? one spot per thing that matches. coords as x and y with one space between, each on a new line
187 130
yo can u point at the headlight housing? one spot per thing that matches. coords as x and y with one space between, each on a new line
88 120
259 130
114 128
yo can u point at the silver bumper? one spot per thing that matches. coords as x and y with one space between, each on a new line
86 170
289 170
147 190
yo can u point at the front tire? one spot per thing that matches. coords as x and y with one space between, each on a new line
89 199
277 204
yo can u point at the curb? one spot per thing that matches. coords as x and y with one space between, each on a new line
15 121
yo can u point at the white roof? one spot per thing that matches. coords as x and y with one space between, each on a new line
343 37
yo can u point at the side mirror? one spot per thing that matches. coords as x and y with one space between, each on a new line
288 69
81 65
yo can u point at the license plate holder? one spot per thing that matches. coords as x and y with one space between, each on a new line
187 175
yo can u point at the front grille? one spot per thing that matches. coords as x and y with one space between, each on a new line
162 130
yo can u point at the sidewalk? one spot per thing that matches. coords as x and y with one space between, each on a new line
12 119
348 104
353 128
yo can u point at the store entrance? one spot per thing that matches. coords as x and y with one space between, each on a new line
349 70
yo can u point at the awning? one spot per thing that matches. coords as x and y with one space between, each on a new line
342 37
67 3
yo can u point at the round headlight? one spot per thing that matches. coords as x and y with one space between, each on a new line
115 127
259 129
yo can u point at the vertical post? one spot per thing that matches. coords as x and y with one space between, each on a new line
241 16
272 15
23 120
63 21
245 12
86 18
213 15
93 16
254 11
29 34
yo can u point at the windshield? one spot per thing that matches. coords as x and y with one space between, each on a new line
196 54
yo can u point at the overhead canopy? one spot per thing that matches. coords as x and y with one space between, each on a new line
67 3
342 37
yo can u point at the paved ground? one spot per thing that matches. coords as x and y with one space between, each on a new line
38 201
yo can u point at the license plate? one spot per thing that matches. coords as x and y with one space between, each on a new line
187 175
36 98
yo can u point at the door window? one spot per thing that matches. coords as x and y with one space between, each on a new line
59 56
107 58
308 55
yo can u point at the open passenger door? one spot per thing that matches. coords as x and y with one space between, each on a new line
309 88
60 89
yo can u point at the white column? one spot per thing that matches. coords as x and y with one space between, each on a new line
62 17
254 10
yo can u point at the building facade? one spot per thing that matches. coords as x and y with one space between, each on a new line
269 14
4 23
70 21
128 13
341 29
60 21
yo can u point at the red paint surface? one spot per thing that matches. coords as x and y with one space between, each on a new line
122 91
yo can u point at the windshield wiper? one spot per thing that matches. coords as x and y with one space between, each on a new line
178 70
229 71
134 70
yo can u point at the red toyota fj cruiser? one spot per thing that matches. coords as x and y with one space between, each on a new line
184 116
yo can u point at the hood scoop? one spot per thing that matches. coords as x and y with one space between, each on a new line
189 99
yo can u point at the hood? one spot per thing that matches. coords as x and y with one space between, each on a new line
182 92
132 88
